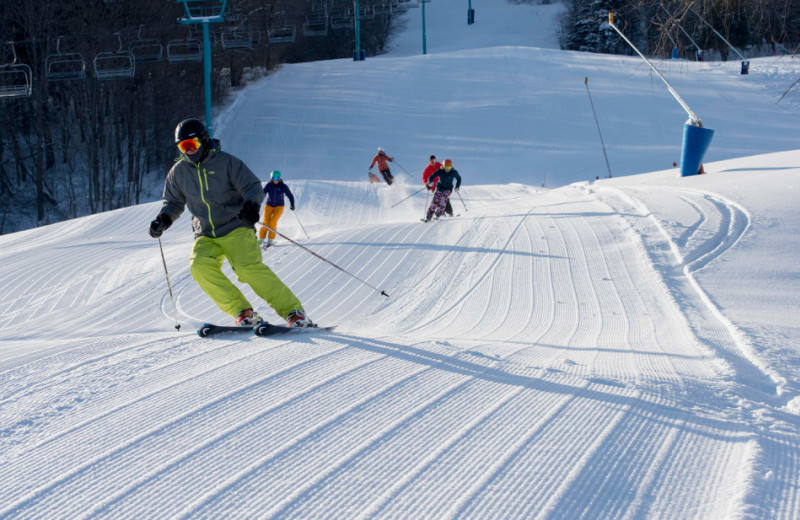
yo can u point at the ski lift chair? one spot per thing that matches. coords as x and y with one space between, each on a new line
236 38
366 12
16 79
282 34
341 18
280 30
64 66
146 50
185 50
316 25
117 64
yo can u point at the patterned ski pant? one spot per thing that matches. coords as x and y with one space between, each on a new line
440 199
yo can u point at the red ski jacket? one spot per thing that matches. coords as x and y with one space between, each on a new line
429 171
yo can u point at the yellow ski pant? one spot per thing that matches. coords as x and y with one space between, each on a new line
272 214
241 249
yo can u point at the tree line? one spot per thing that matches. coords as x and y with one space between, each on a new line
80 144
754 27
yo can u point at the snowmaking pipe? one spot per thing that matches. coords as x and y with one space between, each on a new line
603 144
169 285
383 293
777 44
718 34
787 91
692 116
678 23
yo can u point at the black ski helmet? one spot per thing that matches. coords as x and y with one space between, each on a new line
189 128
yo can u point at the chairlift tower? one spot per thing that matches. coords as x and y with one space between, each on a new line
357 54
204 12
424 37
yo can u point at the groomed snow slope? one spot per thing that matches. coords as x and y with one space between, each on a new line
625 348
547 356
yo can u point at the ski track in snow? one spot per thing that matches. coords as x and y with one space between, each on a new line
550 357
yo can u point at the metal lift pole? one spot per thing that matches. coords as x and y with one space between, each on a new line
204 12
207 76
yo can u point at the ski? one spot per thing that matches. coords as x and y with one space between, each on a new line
268 329
262 329
209 329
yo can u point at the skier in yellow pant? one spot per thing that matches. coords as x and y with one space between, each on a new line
274 191
224 197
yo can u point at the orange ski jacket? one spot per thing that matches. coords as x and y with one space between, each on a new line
381 159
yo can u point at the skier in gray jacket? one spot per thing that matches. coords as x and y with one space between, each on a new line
224 197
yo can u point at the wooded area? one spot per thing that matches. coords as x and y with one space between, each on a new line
88 126
108 80
754 27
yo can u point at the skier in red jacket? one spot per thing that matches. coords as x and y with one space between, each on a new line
432 167
381 158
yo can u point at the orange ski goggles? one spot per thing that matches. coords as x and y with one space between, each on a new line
189 145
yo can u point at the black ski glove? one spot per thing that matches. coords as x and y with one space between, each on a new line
249 212
291 207
161 223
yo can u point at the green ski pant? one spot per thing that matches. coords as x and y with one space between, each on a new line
243 253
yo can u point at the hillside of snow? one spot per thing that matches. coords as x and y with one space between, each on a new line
504 112
612 348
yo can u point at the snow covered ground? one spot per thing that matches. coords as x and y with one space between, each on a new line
620 348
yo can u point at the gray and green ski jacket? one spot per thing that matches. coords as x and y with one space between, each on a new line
214 190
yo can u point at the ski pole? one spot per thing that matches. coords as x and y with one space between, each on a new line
400 165
383 293
301 225
428 196
462 201
405 199
602 143
169 285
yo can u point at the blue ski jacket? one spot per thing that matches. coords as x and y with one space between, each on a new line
275 193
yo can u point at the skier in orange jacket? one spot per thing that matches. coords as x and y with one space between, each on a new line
381 159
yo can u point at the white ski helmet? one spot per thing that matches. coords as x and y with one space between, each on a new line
380 149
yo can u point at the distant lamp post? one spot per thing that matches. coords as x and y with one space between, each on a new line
424 40
204 12
359 54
